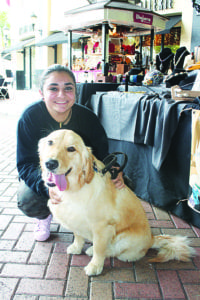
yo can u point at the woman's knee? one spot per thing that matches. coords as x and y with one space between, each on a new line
30 203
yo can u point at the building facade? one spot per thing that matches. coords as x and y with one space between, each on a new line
38 39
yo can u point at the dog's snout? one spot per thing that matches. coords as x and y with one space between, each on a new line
51 164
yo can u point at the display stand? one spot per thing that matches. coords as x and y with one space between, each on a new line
179 95
179 57
164 60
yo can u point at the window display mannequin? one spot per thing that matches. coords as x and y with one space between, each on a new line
164 60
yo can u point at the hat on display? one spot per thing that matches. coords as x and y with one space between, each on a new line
135 71
154 77
134 79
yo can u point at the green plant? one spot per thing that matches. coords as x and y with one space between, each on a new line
3 22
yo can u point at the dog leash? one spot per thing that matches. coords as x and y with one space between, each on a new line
110 164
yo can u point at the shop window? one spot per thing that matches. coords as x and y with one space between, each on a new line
171 40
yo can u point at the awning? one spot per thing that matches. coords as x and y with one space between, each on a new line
173 21
57 38
19 46
113 12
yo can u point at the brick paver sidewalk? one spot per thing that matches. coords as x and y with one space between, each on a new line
42 270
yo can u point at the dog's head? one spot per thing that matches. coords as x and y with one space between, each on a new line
65 160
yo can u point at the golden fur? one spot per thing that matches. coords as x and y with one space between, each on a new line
112 219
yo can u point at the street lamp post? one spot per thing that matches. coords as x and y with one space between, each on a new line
33 23
5 35
33 20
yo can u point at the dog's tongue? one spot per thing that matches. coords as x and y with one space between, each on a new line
59 180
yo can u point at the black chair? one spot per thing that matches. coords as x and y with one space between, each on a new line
9 77
3 89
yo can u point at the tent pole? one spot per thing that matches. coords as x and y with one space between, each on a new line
105 48
151 47
162 42
70 49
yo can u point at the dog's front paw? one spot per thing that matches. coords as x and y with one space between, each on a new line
74 249
92 269
89 251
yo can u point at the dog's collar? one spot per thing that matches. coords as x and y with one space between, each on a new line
102 171
95 168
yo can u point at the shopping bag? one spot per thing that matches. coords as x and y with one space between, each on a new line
194 199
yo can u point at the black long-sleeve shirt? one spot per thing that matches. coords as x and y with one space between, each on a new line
36 123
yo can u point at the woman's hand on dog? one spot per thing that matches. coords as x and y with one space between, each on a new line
119 181
54 196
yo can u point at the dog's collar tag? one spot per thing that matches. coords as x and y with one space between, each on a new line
95 167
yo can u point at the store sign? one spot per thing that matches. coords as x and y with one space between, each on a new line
142 18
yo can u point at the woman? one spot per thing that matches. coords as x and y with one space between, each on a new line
56 110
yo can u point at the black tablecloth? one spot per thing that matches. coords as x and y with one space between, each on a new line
147 88
155 132
85 90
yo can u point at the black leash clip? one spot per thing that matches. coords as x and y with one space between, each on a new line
110 164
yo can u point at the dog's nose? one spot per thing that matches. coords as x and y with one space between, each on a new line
51 164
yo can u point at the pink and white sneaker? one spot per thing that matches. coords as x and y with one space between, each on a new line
42 229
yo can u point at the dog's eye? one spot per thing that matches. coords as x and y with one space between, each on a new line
50 142
71 149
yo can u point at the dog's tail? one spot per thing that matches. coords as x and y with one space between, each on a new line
172 247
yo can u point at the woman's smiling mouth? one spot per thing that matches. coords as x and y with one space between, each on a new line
59 102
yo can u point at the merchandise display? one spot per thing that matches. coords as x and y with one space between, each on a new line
175 77
191 82
195 66
120 51
179 73
164 60
179 57
154 78
122 58
123 54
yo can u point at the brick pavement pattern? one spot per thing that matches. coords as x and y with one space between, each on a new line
31 270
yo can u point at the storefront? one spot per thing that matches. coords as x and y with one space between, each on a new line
24 56
115 29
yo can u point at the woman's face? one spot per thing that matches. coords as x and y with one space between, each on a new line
58 93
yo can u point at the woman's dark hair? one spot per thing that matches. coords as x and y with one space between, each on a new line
55 68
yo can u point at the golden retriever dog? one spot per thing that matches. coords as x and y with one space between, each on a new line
94 209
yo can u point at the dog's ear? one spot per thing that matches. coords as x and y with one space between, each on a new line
41 144
88 165
40 147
